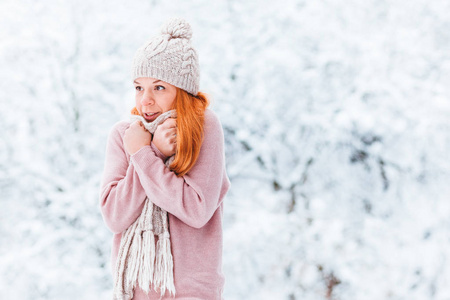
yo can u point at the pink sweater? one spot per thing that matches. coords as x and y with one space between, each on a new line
194 203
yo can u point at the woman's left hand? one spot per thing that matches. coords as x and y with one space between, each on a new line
136 137
164 137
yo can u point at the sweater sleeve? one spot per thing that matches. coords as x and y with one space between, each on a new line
194 197
121 195
157 152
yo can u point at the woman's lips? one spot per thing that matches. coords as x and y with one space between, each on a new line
150 116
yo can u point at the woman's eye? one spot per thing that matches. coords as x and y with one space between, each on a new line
160 88
138 88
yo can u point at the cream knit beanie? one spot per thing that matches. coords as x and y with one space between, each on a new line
170 57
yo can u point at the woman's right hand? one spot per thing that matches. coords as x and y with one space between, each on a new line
165 138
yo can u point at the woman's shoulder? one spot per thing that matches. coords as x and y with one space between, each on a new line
213 130
212 120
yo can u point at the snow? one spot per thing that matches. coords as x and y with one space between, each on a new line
336 122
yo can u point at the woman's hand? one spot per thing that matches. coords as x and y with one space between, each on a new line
165 138
136 137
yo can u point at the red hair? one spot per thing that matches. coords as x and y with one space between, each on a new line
190 122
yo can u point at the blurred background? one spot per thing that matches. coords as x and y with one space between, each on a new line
336 121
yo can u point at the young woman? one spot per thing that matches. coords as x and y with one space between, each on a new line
164 179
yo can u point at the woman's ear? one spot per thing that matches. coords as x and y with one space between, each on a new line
134 111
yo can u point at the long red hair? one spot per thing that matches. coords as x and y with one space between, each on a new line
190 122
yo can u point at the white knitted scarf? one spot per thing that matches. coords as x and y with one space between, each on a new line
139 261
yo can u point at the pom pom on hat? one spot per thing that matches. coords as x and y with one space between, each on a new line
170 57
177 28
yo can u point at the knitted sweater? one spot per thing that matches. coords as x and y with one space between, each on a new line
194 203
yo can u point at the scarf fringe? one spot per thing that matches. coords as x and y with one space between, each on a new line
164 265
133 256
121 291
147 261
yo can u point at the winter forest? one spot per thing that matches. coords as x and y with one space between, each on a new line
336 121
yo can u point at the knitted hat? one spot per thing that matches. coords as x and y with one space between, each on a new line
170 57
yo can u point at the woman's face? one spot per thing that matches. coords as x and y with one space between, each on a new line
153 97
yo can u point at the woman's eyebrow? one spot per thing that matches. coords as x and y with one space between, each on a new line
153 81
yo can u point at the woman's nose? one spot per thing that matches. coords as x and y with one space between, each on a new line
147 99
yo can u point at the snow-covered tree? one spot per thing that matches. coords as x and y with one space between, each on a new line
337 137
